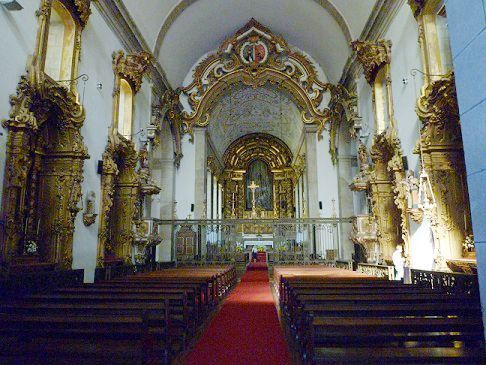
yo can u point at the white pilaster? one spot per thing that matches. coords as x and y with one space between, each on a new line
312 193
200 170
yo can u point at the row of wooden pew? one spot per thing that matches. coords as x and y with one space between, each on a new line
141 319
363 320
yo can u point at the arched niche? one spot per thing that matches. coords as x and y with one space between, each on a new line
238 160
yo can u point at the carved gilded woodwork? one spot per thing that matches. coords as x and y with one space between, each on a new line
342 109
417 6
131 67
45 157
80 12
237 158
372 56
381 187
120 190
170 100
442 154
360 181
364 233
254 56
147 183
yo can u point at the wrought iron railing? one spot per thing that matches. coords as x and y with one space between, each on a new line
450 282
229 241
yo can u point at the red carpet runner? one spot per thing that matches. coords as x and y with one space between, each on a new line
246 330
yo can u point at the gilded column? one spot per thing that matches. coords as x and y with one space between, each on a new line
382 194
443 158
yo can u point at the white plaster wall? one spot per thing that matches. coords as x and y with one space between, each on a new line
19 31
184 186
327 178
98 44
403 33
163 172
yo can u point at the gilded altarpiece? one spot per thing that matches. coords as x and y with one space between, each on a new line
121 183
44 156
440 144
269 152
443 158
385 180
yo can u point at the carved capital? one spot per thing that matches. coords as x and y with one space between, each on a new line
438 102
417 6
381 149
82 10
132 66
372 56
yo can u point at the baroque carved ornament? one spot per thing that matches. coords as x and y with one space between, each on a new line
254 56
372 56
131 67
80 9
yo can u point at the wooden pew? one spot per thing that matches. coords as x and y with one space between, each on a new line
364 320
62 339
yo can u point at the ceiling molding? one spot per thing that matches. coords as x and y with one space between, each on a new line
378 23
184 4
120 22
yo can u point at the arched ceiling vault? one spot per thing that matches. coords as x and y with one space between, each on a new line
181 31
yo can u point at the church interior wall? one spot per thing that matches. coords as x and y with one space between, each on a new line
405 56
327 177
19 30
184 194
164 172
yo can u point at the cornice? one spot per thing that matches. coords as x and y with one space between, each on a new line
378 23
118 19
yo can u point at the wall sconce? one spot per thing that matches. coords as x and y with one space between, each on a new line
151 130
11 5
89 215
99 86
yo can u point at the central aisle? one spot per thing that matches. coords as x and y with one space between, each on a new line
246 330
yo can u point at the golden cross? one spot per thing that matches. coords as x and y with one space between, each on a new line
253 186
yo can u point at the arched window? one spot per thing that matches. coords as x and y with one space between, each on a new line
381 101
125 109
58 62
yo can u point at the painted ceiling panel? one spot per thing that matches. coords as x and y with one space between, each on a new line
246 110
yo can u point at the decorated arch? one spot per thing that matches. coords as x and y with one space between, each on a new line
255 56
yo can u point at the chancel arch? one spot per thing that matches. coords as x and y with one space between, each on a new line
256 57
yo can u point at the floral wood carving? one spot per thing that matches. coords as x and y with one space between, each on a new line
170 101
45 153
131 66
255 56
372 56
442 153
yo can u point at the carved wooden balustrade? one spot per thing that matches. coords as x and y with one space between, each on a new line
451 282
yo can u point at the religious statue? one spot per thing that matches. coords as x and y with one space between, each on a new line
398 262
361 179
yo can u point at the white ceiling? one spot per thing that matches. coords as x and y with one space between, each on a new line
247 110
187 29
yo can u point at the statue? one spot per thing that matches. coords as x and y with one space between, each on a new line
398 262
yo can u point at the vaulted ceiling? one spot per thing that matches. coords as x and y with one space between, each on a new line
181 31
246 110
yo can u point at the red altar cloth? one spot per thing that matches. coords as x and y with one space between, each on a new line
261 257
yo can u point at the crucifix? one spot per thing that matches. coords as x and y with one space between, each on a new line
253 188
